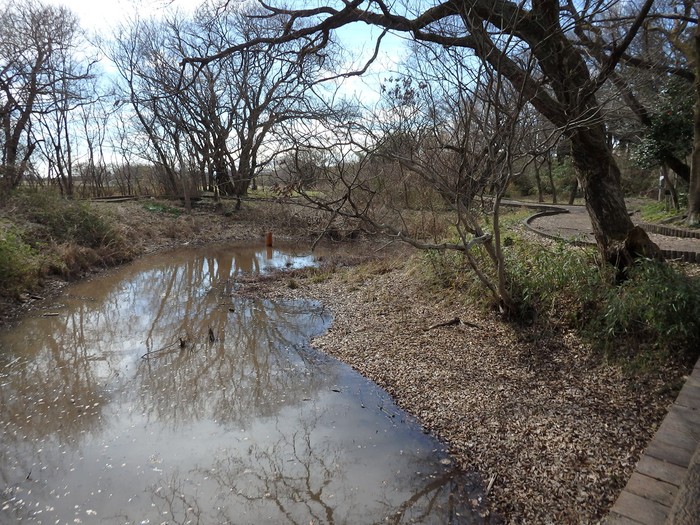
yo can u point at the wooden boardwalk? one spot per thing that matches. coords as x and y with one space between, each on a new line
652 489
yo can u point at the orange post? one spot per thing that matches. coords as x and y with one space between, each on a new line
268 241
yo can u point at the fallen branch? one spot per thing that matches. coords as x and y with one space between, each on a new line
492 480
451 322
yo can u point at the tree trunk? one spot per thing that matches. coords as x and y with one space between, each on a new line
574 190
538 180
618 239
694 186
185 181
551 179
669 187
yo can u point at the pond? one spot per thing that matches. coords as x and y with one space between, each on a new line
157 394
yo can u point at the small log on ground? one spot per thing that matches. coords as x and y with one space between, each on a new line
452 322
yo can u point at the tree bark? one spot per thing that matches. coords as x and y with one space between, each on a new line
686 507
616 235
619 241
574 191
694 186
575 108
551 179
538 180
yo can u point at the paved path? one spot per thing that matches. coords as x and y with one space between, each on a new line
657 492
573 223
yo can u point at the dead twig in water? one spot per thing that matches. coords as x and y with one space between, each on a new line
151 354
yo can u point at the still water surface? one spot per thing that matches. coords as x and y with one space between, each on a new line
156 394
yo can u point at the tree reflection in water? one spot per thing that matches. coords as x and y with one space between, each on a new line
249 427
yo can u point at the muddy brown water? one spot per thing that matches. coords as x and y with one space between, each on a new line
155 394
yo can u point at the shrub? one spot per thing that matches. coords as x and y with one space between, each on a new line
525 185
82 225
67 221
70 259
19 264
657 306
562 281
651 316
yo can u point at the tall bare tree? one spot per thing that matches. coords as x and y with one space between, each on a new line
144 58
220 118
448 138
71 90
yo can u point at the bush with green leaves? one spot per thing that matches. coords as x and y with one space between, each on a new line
564 174
657 306
671 129
654 312
562 280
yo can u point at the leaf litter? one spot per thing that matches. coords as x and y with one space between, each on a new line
553 430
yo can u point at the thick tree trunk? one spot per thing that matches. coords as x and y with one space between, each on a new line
618 239
551 179
669 187
224 183
694 187
574 191
538 180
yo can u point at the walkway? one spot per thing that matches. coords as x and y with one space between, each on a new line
573 223
659 478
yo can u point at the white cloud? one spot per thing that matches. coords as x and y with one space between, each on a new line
101 17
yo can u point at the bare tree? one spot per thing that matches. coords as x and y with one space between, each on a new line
149 80
250 95
446 141
561 86
219 119
37 78
70 92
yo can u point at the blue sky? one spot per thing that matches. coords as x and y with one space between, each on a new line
102 17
